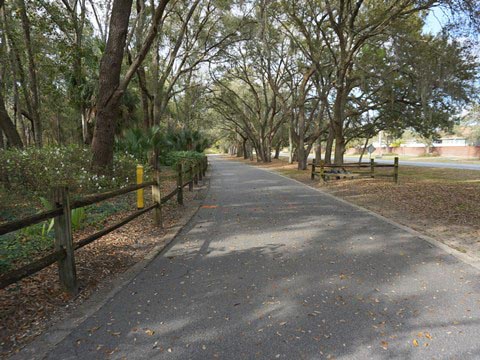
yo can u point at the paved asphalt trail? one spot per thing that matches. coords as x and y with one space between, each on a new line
272 269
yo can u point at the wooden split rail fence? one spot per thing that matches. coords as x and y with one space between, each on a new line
65 247
319 170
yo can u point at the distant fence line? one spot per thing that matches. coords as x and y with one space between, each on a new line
65 247
318 169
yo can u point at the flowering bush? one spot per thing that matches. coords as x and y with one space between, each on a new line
26 181
38 170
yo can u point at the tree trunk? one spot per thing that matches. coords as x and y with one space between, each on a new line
261 152
157 103
142 79
78 22
239 149
147 122
8 127
329 146
18 79
339 148
301 145
277 150
318 151
363 151
245 149
3 174
302 164
268 150
290 144
337 124
32 70
109 80
110 89
84 128
301 155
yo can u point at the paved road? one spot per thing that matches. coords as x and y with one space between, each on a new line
421 163
272 269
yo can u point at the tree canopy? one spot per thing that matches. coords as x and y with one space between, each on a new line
257 74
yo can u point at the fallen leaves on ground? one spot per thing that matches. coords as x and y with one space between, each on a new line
443 203
29 306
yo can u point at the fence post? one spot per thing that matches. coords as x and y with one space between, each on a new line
180 183
190 183
157 198
200 171
194 173
312 175
140 199
64 241
322 170
395 169
372 168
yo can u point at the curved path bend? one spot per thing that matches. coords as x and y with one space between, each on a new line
271 269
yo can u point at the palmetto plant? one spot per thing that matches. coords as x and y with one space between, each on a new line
78 217
47 226
155 143
188 140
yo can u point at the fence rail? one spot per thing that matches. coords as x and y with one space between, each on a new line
372 166
63 253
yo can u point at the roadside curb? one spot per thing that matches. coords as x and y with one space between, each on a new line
457 254
44 343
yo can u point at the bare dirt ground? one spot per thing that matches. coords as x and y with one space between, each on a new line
441 203
28 307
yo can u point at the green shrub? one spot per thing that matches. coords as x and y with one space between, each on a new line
186 157
23 244
36 171
143 144
187 140
32 173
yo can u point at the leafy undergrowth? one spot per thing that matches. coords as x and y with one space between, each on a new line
20 247
442 203
27 307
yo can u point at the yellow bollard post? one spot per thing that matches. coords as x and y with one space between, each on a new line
140 202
